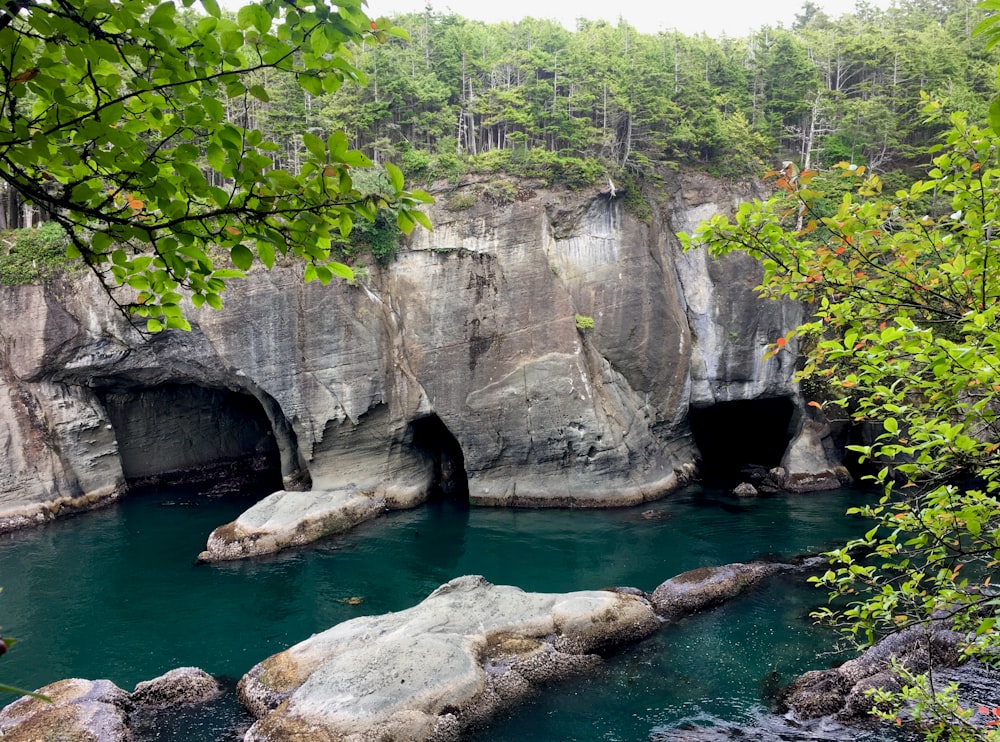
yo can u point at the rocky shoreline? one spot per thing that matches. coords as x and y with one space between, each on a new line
430 672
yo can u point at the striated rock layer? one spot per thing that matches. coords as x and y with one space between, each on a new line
459 367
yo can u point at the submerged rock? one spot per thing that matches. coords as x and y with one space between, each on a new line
439 668
81 711
704 587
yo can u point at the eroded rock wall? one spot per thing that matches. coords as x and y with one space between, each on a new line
475 323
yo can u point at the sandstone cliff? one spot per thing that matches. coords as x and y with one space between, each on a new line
460 362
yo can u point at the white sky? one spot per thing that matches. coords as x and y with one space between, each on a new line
690 17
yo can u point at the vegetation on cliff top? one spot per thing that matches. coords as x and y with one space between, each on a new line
124 120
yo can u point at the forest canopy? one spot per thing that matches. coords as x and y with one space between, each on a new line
154 132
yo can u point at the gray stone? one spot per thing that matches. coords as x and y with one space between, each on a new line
745 489
431 671
81 710
807 462
841 691
705 587
180 686
285 519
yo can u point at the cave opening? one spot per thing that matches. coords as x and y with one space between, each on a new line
732 436
431 437
219 440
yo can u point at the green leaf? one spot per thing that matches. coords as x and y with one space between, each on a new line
422 219
265 251
241 256
994 115
340 270
255 16
163 16
405 222
395 176
226 273
314 144
212 8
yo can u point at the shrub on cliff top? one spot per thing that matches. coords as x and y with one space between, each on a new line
32 255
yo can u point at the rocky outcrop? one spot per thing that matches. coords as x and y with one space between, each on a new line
434 670
180 686
698 589
80 710
460 366
430 672
843 691
285 519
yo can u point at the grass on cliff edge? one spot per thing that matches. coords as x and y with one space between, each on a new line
32 255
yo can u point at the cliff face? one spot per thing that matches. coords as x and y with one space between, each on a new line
463 360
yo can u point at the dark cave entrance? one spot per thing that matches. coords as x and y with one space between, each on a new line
734 435
430 436
183 434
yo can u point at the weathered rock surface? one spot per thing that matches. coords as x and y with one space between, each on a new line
841 691
285 519
705 587
180 686
81 710
809 463
434 670
460 362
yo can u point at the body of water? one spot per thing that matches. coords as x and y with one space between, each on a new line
117 594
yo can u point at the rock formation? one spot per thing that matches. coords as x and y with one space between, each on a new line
842 691
430 672
83 710
462 366
439 668
698 589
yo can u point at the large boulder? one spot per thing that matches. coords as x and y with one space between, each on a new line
80 710
438 668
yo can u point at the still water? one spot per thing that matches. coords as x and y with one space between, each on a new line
116 594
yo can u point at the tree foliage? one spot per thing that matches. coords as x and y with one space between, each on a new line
118 118
905 336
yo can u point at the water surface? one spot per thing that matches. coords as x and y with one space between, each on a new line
116 594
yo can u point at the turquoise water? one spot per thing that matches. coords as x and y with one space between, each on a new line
116 594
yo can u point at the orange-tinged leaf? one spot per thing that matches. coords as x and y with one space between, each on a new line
233 231
781 342
816 404
135 203
28 74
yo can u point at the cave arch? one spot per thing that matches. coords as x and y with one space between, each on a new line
183 433
734 435
431 438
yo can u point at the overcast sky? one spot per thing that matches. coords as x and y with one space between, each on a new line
714 17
